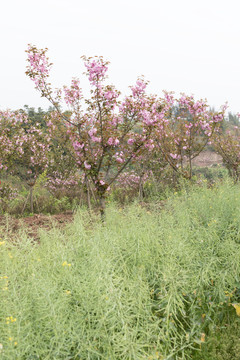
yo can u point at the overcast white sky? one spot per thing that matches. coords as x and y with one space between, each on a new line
190 46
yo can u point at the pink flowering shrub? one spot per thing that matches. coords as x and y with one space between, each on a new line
130 180
34 158
61 185
24 147
11 137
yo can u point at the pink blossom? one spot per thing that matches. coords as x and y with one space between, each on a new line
92 131
87 166
110 141
130 141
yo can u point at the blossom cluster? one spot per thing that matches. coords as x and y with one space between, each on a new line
7 193
131 180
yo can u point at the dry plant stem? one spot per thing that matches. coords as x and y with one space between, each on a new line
102 208
141 192
36 201
24 206
92 192
88 193
31 199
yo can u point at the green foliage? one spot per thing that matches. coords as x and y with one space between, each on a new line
44 203
41 180
146 285
7 193
37 116
223 343
211 174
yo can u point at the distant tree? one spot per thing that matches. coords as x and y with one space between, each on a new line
233 119
35 117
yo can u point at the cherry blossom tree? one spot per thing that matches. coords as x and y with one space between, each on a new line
106 133
227 144
185 130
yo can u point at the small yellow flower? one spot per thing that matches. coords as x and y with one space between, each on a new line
10 255
237 308
15 343
2 243
203 337
67 292
66 264
10 319
10 339
156 356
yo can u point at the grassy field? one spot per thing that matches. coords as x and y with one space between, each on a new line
149 284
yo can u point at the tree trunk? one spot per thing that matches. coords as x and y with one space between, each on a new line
141 192
190 166
31 199
102 208
88 193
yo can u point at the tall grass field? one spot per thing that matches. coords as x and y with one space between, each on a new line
151 283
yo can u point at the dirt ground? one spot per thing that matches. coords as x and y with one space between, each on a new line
32 224
207 158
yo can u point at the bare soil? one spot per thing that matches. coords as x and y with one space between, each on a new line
11 226
207 159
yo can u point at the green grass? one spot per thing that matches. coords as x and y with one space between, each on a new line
146 285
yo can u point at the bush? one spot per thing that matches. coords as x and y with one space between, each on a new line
211 174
